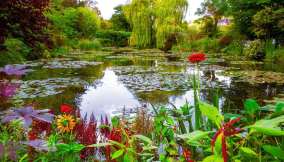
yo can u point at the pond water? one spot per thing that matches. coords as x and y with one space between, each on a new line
106 82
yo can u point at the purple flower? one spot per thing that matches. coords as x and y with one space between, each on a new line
8 89
27 114
17 70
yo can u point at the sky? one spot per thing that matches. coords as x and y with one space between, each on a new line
106 8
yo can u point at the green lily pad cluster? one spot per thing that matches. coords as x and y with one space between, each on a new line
44 88
256 77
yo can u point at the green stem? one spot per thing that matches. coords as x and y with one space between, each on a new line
196 87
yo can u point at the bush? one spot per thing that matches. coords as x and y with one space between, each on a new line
254 49
87 44
88 22
16 50
60 51
113 38
235 48
225 41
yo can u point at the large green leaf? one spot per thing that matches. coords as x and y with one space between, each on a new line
213 158
143 138
117 154
269 127
211 113
274 151
279 107
248 152
251 106
194 137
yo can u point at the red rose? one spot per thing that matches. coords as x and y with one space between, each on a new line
196 57
64 108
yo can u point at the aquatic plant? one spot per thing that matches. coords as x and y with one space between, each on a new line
17 70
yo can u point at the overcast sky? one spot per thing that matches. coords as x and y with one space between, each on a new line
106 7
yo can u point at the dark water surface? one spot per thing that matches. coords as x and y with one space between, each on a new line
106 82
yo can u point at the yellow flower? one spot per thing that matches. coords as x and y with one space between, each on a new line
65 123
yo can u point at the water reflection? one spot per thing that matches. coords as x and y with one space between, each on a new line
108 97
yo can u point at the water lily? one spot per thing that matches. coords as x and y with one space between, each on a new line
17 70
225 131
27 114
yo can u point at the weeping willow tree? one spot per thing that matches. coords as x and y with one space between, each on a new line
140 16
169 15
154 21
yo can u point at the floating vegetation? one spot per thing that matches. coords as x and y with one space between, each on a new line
69 64
256 77
44 88
155 81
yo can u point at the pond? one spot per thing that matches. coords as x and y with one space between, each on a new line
107 82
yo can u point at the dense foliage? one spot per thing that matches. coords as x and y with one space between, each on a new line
153 22
25 20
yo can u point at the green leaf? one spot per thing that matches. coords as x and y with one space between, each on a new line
143 138
211 113
269 127
274 151
194 136
117 154
147 148
279 107
170 121
249 152
99 145
117 143
251 106
213 158
115 121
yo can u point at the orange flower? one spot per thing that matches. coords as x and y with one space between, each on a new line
65 123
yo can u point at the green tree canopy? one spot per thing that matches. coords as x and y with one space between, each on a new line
163 17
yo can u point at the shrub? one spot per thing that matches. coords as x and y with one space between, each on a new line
88 22
60 51
225 41
235 48
254 49
87 44
113 38
17 50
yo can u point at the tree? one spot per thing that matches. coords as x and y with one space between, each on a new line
215 9
269 24
119 20
247 15
139 14
154 22
24 19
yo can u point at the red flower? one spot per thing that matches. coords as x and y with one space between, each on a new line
226 130
64 108
187 154
32 135
196 57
